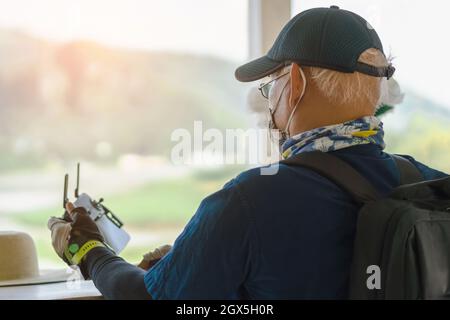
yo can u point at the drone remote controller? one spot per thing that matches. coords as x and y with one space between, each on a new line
107 222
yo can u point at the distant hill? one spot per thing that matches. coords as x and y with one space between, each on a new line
421 128
62 100
72 100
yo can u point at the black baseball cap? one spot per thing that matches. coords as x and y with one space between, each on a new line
328 38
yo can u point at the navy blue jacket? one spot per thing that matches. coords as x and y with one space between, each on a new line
285 236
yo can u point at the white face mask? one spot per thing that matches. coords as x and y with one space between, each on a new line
257 105
284 135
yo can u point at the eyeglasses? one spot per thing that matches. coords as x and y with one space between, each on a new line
265 88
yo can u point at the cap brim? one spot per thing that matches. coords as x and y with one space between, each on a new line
258 69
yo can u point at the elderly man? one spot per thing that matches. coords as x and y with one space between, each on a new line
288 235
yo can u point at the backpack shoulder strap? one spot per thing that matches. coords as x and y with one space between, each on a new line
339 172
409 173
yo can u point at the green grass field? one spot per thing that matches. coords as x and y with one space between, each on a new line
168 202
156 212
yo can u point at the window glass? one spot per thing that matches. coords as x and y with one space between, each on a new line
106 83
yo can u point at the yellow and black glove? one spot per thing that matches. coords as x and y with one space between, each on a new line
75 235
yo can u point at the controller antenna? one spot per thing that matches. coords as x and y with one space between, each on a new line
65 198
78 180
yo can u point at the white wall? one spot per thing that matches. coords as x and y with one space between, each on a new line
266 19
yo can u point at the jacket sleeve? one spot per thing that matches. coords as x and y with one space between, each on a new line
114 278
212 257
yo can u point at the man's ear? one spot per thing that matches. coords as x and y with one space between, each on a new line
296 85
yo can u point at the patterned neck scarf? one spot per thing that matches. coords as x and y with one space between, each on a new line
367 130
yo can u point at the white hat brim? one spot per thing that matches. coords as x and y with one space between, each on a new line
45 276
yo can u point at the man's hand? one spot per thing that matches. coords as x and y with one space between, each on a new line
60 230
75 235
151 258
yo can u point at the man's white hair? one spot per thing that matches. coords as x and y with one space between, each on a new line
342 88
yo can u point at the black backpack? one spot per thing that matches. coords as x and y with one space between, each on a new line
402 244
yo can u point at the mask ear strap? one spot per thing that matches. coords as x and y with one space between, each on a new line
291 117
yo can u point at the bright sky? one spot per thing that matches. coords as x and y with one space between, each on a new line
201 26
414 31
